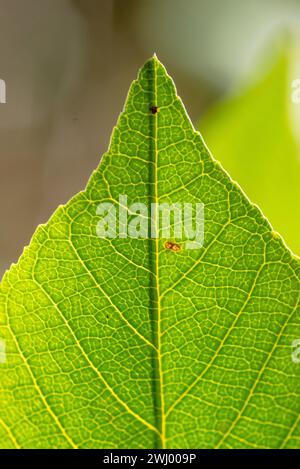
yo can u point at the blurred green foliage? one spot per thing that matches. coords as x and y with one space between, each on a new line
250 134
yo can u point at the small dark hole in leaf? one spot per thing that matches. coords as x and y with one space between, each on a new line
154 109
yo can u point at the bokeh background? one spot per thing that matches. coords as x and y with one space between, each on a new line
68 64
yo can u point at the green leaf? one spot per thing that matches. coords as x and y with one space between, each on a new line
121 342
250 134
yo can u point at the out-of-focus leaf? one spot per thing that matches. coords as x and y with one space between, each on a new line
250 134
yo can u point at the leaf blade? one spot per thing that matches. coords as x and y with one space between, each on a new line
124 337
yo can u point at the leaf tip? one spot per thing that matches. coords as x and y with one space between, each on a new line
155 59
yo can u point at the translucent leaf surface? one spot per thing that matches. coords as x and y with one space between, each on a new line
123 343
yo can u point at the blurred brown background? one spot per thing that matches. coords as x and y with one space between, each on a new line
68 64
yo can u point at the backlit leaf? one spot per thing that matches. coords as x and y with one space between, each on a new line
125 342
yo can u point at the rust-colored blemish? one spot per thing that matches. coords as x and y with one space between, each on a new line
172 246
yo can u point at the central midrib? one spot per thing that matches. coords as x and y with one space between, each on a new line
156 306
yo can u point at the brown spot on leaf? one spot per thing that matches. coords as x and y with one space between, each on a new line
172 246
